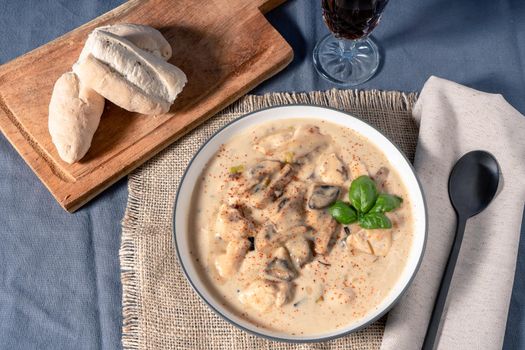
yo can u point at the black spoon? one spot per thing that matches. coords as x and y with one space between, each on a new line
472 184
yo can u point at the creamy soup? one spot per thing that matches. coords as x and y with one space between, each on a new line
267 242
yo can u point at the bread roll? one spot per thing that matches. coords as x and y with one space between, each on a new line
144 37
128 76
75 109
74 114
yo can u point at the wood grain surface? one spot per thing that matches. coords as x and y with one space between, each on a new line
225 47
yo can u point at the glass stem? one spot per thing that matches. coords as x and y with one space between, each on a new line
347 47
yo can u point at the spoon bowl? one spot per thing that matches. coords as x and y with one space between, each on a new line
473 183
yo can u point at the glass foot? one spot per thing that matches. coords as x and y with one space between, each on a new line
346 62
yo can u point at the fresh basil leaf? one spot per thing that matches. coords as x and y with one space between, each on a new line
363 193
386 202
374 220
343 213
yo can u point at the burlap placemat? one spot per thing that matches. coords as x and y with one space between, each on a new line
160 310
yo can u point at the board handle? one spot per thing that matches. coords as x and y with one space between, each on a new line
267 5
263 5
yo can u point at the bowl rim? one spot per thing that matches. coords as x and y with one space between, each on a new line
306 340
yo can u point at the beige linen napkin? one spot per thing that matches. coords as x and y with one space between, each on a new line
453 120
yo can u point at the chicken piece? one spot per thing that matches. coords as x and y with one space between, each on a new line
359 241
231 225
290 213
257 179
269 143
284 293
331 170
374 242
381 179
357 168
280 266
261 173
300 251
322 196
235 192
252 267
380 241
289 208
259 198
227 264
324 226
261 295
308 166
305 139
270 190
339 296
268 238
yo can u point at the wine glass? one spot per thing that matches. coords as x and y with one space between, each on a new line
348 56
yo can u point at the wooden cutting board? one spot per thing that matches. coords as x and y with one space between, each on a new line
225 47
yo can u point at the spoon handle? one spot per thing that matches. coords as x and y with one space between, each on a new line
439 305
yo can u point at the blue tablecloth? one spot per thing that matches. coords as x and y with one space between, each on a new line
59 273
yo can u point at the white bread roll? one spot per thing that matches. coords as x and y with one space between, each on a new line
74 114
128 76
144 37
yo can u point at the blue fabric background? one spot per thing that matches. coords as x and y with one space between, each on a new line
59 273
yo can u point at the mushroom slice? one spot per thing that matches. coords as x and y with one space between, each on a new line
324 226
374 242
322 196
357 168
227 264
332 170
381 178
281 180
280 267
260 295
231 225
284 293
300 251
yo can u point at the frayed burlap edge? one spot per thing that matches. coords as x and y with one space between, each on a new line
342 99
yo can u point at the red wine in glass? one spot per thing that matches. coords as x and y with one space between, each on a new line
348 56
352 19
